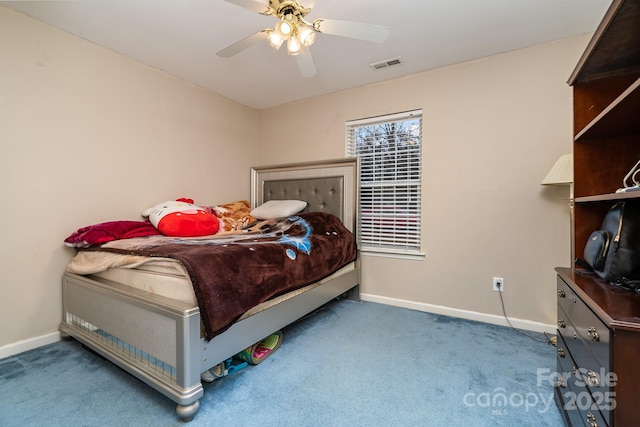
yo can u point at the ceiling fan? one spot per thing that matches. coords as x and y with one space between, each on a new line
299 33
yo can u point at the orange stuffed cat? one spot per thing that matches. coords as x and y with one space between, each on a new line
234 215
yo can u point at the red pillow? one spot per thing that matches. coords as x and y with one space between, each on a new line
104 232
181 218
188 224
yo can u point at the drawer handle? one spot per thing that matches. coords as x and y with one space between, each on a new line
575 299
562 323
591 419
575 335
592 377
561 352
562 293
593 334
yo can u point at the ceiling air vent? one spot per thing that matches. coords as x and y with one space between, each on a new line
386 63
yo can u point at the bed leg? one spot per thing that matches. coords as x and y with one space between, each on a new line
187 412
354 293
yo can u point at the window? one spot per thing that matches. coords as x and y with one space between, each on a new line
389 149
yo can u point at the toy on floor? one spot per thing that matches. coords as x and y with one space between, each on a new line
261 350
228 367
251 355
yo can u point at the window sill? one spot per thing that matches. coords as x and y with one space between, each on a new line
418 256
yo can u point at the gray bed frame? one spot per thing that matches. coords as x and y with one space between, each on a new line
158 340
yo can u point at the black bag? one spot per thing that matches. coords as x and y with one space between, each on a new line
614 251
595 251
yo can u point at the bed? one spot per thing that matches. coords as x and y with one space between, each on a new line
147 322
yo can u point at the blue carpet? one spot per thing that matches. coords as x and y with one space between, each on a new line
351 364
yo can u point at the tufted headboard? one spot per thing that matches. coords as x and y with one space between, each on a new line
327 186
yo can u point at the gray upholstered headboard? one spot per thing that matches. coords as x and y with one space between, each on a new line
327 186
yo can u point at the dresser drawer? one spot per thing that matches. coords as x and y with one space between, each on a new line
582 352
586 363
585 324
569 385
582 404
566 297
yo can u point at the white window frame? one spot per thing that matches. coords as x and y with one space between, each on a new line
390 182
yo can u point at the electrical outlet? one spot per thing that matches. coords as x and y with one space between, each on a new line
498 284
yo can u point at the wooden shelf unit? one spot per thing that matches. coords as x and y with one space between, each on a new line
606 107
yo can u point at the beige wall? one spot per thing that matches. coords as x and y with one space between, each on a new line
491 130
90 136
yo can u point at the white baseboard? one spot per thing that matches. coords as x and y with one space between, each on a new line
29 344
464 314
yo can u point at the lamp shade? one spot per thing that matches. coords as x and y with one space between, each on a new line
561 173
284 28
294 47
306 35
275 39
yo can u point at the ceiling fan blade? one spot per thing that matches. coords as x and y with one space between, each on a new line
306 64
254 5
243 44
354 30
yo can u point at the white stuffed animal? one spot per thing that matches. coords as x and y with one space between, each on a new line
181 218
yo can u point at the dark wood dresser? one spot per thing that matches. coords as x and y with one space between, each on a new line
598 346
598 361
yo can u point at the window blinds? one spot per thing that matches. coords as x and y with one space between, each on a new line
389 149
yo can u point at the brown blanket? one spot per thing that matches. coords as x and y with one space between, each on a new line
234 272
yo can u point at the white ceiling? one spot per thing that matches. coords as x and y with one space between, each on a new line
181 37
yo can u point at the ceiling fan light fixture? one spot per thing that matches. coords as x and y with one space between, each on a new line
275 39
306 35
294 46
291 27
284 28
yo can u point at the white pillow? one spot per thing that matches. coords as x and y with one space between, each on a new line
278 209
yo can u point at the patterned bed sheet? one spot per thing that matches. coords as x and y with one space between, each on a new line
229 275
